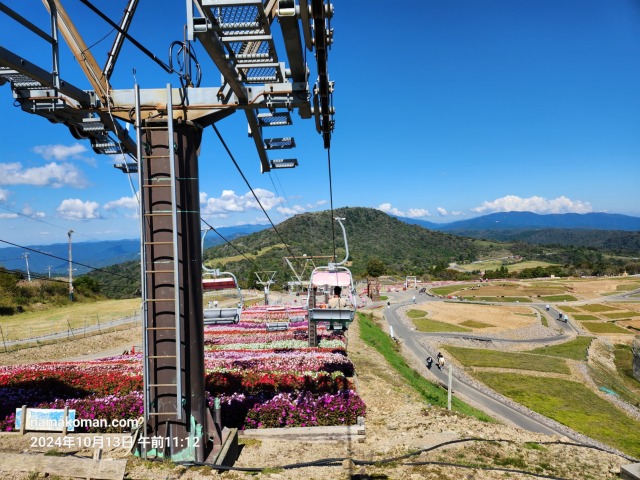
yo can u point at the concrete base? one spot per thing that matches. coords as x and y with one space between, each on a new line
630 472
308 434
227 453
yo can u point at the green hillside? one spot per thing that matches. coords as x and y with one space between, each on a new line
378 239
372 235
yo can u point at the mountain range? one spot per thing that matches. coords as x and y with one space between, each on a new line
530 221
87 256
614 232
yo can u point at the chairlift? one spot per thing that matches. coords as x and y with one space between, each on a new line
327 278
215 280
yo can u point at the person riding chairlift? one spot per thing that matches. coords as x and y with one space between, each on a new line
337 302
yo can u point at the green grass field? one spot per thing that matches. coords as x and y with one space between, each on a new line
427 325
571 404
416 313
448 290
373 336
585 317
623 359
598 307
568 309
475 324
573 350
61 319
621 380
475 357
558 298
627 287
500 299
620 315
605 327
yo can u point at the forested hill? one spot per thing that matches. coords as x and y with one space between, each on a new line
371 234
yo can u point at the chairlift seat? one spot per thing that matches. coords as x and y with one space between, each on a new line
219 316
336 319
277 326
218 283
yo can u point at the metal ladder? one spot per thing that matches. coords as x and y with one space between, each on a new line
160 260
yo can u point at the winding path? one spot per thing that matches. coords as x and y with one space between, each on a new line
495 405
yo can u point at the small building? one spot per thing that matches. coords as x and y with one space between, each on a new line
373 289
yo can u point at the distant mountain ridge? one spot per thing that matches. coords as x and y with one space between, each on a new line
614 232
96 254
604 231
530 220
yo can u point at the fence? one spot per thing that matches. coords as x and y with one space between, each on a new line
78 327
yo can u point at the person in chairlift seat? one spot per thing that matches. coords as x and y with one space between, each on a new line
337 301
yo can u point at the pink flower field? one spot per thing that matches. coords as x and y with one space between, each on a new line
263 379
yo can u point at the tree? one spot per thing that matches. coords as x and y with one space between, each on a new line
85 284
375 267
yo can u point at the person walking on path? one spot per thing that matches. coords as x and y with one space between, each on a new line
440 359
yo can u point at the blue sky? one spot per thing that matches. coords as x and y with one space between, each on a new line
445 110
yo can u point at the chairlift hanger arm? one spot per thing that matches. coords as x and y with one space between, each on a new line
346 243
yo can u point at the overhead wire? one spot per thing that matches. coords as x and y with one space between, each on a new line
34 276
337 461
224 144
229 243
46 223
333 225
97 269
288 208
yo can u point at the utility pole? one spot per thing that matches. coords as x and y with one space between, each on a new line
26 258
70 268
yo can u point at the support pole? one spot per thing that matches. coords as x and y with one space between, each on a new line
70 268
173 315
450 387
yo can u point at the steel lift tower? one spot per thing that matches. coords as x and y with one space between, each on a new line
264 79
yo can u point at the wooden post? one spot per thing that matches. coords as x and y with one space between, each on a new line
65 419
70 331
23 424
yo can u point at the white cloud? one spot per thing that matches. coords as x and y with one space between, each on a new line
130 203
4 195
60 152
291 210
411 213
76 209
513 203
230 202
29 212
442 212
52 174
8 215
